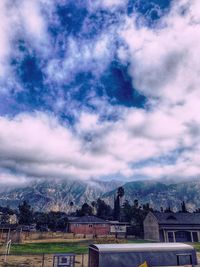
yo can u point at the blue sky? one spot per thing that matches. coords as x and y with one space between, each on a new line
99 89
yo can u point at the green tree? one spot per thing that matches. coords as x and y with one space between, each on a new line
127 211
25 213
183 207
57 221
85 210
117 206
104 211
41 219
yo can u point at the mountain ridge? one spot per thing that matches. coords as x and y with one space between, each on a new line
57 196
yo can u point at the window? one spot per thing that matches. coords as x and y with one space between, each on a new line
183 259
90 225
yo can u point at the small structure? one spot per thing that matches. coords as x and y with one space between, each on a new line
172 227
133 255
64 260
118 228
8 218
89 225
13 219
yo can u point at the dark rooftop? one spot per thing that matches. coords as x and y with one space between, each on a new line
88 219
177 218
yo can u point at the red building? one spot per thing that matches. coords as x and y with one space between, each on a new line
89 225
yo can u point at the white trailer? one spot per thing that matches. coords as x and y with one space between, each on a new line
133 255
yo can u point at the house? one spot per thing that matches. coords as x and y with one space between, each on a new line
89 225
172 227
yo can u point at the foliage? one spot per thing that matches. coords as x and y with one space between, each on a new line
136 214
183 207
7 210
52 220
85 210
57 220
104 211
25 213
117 208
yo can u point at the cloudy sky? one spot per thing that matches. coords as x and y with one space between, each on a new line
99 89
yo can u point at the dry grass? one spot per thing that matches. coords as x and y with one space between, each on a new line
36 261
55 240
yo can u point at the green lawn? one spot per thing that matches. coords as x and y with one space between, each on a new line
196 246
77 247
60 247
50 248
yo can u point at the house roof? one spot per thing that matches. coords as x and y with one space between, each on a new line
177 218
141 247
89 219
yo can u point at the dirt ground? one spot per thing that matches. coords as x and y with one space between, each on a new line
36 261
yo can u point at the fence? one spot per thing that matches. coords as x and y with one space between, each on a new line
24 237
37 260
20 237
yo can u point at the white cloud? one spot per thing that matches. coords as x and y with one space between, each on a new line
33 21
164 66
38 145
92 55
41 147
7 179
20 20
107 4
164 61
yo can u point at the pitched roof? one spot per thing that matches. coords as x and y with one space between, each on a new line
89 219
177 218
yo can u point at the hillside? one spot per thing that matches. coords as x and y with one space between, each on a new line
56 196
161 195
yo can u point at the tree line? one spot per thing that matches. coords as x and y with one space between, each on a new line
122 211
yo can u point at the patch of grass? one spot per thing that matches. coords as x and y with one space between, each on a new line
139 241
78 247
50 248
196 246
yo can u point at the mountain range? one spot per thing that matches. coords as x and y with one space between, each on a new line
56 196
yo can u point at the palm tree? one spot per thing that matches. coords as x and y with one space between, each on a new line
71 204
120 191
117 204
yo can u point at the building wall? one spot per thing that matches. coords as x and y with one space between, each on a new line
151 227
87 229
118 229
181 235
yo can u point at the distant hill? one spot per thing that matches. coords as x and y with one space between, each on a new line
160 194
56 196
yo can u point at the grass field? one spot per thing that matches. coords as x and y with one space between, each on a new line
78 247
51 248
31 254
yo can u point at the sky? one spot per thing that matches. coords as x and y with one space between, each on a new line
99 89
